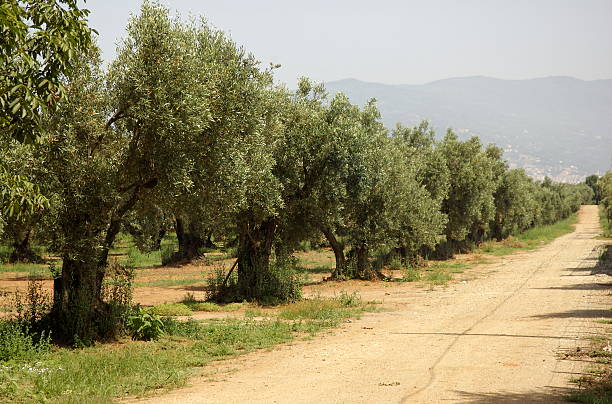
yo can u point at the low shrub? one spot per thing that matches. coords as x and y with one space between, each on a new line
278 284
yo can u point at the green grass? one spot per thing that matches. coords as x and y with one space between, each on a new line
37 270
169 282
210 306
545 234
103 373
320 269
251 313
437 277
137 259
448 266
171 309
411 275
605 225
529 239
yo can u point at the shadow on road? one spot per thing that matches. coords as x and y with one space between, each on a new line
579 313
554 396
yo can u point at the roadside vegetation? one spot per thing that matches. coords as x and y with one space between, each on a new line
34 371
595 384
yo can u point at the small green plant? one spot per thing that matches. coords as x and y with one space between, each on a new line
350 300
143 325
34 306
411 275
17 342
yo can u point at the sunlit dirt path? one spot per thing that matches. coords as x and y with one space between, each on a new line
495 339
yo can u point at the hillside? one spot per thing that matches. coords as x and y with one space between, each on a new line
555 126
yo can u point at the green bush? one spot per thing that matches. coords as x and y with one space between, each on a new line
146 326
18 343
278 284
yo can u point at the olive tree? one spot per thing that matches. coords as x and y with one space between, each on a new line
469 203
142 131
515 204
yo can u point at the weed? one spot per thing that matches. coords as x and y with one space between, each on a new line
17 342
606 225
595 370
350 300
395 263
438 277
34 306
330 310
411 275
103 373
144 325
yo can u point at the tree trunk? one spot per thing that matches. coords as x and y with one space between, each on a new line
160 237
22 252
209 243
338 252
364 270
189 241
77 300
254 253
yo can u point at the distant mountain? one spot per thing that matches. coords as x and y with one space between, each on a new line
555 126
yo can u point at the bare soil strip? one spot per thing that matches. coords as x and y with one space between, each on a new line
495 339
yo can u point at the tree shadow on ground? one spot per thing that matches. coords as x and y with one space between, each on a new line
556 395
578 313
582 286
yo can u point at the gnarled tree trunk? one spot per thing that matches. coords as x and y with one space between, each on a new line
22 251
254 253
338 251
189 240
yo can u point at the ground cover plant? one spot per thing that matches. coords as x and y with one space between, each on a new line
32 372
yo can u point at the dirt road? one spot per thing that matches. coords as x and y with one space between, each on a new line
495 339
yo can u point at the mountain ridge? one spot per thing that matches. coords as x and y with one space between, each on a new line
556 126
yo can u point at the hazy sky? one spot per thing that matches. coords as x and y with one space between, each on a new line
410 41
